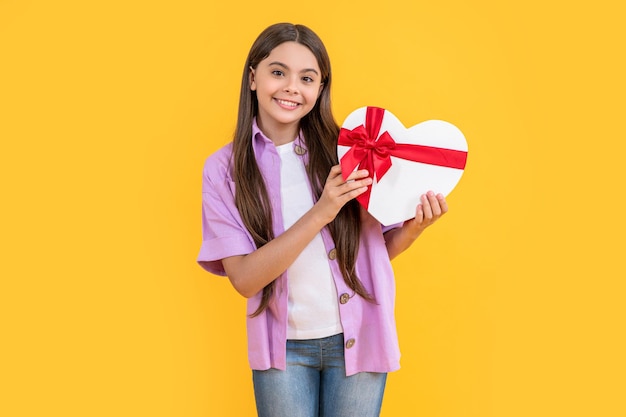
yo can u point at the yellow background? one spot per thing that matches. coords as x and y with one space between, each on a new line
512 305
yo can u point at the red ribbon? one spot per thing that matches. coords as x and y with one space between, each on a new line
370 151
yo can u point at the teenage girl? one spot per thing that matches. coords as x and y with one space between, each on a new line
284 226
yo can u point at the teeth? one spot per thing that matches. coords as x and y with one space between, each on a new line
287 103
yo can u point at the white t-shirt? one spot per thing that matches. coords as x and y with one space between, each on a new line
313 311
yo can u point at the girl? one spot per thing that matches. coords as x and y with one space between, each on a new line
280 221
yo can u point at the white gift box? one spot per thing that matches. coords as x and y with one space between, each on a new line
404 163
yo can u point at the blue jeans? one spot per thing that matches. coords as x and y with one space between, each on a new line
315 384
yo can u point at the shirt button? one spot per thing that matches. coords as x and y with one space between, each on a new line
344 298
332 255
349 343
299 150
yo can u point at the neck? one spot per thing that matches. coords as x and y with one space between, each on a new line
279 133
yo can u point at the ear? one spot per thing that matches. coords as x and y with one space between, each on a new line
252 80
319 93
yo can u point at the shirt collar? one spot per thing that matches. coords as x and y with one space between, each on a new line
260 141
257 135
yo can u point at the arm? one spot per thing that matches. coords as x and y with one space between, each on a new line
250 273
427 212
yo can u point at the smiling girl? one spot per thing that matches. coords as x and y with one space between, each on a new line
284 226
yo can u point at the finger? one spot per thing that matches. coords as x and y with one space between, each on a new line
355 184
419 213
428 213
442 203
358 174
352 194
334 172
434 204
335 177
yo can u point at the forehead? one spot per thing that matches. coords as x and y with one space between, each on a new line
294 55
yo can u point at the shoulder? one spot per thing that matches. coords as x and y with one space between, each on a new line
217 166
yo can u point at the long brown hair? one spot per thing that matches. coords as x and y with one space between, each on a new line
320 133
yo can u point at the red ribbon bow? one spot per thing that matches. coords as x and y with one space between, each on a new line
371 151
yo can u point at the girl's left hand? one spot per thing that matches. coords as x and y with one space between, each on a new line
431 208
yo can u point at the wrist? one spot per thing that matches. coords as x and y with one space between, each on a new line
410 233
318 218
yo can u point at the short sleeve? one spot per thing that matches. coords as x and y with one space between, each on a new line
391 227
223 232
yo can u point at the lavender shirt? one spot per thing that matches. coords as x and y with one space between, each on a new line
369 328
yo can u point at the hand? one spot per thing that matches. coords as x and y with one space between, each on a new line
338 192
431 208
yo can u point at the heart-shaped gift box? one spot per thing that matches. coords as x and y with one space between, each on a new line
403 162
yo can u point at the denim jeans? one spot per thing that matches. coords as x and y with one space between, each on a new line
315 384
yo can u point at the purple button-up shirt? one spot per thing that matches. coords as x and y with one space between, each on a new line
369 328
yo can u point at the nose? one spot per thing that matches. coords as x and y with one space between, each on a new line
291 85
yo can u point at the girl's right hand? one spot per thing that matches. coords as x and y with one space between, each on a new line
338 192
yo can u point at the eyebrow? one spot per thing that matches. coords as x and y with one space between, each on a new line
280 64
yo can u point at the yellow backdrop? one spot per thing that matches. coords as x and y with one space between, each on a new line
512 305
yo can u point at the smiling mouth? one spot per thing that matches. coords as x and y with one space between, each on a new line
287 103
